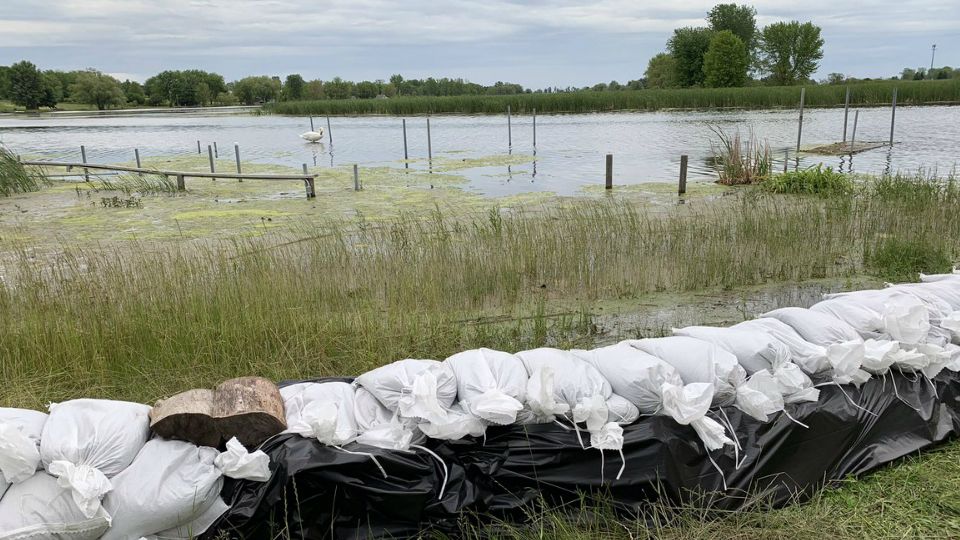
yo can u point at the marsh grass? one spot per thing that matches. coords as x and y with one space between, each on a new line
143 184
758 97
14 177
140 321
740 161
817 180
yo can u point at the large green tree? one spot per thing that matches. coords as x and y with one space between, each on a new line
726 61
133 92
98 89
741 20
27 87
4 82
687 46
661 71
790 51
250 90
293 87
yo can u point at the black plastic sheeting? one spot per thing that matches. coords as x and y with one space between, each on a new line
322 492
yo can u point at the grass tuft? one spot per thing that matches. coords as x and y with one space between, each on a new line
818 180
738 161
14 177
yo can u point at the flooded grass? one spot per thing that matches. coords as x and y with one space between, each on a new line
756 97
14 177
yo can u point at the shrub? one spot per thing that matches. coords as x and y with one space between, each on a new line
14 178
739 161
817 180
899 259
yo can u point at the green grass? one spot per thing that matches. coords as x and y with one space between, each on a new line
818 180
738 161
14 177
755 97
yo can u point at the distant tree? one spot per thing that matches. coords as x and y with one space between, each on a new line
4 82
184 88
614 86
636 84
53 91
920 74
790 51
252 90
365 90
741 20
338 88
397 82
95 88
133 92
726 62
907 74
687 47
226 98
661 71
293 87
599 87
836 78
313 90
27 85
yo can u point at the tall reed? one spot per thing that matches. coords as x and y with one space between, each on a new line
14 177
740 161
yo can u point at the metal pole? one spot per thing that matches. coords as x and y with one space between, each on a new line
803 92
356 177
210 155
786 158
216 153
429 143
329 131
846 111
609 184
509 129
236 152
683 175
534 128
311 124
136 153
83 156
199 151
406 155
853 137
893 114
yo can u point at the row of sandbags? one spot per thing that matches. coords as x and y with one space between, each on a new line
89 470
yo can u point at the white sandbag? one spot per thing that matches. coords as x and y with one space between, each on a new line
239 463
39 509
816 327
379 427
85 442
884 314
457 425
20 431
169 484
867 321
951 323
879 355
932 278
323 411
810 357
192 530
419 389
655 387
621 411
491 385
947 290
698 361
562 384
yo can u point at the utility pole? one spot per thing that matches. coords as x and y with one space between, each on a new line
933 54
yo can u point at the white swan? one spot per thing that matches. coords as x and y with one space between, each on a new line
313 136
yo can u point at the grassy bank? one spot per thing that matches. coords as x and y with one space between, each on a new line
758 97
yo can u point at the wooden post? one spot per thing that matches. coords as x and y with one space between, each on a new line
311 193
356 177
136 154
893 114
429 143
683 175
311 124
786 158
210 155
236 151
83 157
329 131
216 153
406 155
853 138
509 129
609 184
181 185
846 111
199 151
534 128
803 92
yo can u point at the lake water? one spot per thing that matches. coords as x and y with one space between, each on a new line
569 152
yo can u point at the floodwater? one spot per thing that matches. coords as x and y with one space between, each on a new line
569 152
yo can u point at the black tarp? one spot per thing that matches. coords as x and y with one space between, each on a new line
322 492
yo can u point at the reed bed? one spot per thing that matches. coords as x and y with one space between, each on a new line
756 97
141 321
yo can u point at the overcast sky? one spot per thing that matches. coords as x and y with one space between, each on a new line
536 43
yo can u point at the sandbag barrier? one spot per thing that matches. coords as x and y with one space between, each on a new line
777 405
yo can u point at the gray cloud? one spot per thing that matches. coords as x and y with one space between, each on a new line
533 42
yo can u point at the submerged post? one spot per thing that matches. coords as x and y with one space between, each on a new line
329 131
236 152
181 185
846 111
210 155
683 175
308 182
853 137
786 158
803 92
83 157
199 151
406 155
356 177
609 184
429 143
216 152
893 114
534 128
136 154
311 124
509 130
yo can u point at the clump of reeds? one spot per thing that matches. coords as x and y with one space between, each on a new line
143 184
818 180
14 177
740 161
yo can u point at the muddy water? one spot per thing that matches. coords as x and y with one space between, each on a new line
569 153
